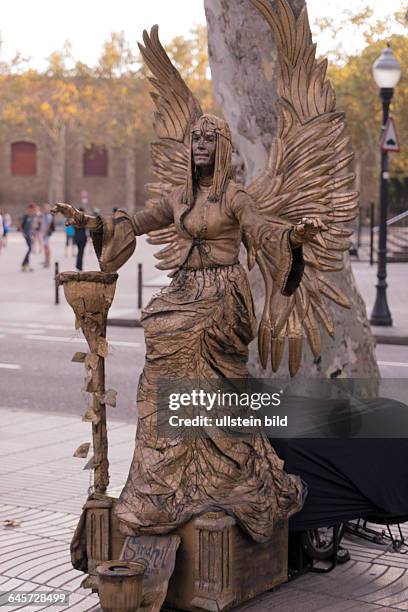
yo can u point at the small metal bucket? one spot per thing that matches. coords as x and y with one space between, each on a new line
120 585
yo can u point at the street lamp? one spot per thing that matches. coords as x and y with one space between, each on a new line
387 73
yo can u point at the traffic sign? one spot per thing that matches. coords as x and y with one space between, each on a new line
389 140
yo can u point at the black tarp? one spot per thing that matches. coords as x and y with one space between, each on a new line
347 478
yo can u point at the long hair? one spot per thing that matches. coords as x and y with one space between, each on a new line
222 162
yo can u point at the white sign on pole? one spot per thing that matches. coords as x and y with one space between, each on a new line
84 198
389 140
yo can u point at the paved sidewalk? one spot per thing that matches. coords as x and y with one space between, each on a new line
43 488
397 293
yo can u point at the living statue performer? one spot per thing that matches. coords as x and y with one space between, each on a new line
200 326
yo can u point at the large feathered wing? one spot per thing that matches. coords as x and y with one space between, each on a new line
176 110
305 177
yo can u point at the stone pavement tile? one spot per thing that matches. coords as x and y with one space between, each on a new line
32 501
49 496
399 599
74 506
35 516
393 557
48 506
365 556
36 497
51 533
354 606
14 415
73 583
4 508
289 598
26 543
24 423
18 513
26 533
342 580
18 585
394 562
14 562
82 602
11 540
47 519
393 581
372 580
70 580
34 566
12 584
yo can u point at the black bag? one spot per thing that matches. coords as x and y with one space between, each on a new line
51 228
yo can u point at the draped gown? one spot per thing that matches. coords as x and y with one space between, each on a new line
199 327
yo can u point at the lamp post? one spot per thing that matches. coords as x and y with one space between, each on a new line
387 73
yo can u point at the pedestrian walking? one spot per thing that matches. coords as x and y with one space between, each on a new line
7 221
80 239
1 231
27 227
47 229
69 238
36 237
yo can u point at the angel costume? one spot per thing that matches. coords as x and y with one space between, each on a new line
200 326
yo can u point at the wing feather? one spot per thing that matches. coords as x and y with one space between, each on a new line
176 109
305 177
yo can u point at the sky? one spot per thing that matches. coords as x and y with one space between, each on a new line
36 29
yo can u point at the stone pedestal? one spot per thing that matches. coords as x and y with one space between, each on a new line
101 537
218 566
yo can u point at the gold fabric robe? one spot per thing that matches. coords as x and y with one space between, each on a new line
199 328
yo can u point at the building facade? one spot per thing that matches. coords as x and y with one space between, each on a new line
94 177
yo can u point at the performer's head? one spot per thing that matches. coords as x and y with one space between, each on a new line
210 155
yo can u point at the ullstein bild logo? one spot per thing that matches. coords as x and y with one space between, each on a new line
228 421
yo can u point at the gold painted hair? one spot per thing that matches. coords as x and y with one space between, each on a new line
223 158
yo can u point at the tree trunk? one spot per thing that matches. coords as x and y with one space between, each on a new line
56 189
244 68
130 184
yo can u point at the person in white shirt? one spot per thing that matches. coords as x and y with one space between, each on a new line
46 229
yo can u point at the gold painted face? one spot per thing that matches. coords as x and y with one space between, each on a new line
210 155
204 144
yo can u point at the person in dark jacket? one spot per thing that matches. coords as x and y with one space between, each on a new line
80 239
27 228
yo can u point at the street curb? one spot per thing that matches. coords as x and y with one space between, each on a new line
388 339
124 322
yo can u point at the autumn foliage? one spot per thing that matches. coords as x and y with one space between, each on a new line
109 104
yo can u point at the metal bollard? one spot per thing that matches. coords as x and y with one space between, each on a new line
371 233
140 286
56 282
359 227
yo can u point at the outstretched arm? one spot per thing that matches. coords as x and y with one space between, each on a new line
114 237
76 217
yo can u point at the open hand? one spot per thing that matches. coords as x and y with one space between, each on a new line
69 212
306 230
73 216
